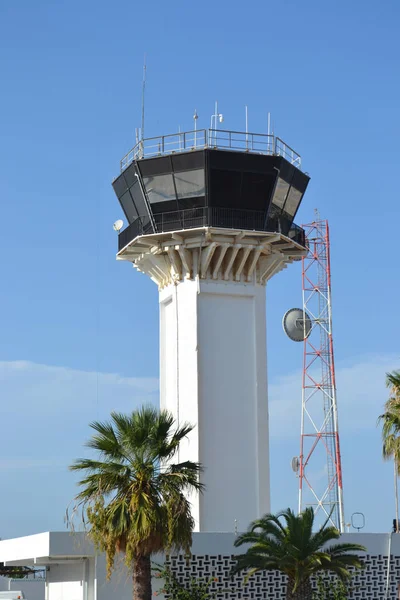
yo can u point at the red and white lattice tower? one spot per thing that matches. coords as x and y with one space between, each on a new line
320 470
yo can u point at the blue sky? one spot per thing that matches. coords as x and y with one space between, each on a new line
79 331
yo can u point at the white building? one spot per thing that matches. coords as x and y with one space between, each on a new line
74 572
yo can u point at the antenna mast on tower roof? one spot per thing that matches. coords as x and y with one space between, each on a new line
143 96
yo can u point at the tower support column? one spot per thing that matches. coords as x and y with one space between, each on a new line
213 375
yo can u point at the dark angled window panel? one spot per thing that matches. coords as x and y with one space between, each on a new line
256 190
137 196
130 175
159 188
291 175
300 180
240 161
188 161
280 194
154 166
190 184
128 207
166 206
187 203
119 185
292 203
225 188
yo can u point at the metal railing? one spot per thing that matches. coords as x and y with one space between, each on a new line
192 218
239 141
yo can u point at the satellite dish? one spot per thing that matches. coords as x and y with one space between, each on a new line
118 225
297 324
295 464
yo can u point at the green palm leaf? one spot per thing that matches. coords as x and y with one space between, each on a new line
286 542
133 497
390 420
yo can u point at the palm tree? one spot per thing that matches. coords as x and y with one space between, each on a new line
390 420
133 496
292 548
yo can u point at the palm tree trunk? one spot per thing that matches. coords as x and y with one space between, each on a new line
141 578
303 592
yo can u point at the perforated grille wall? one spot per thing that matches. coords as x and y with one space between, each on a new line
368 584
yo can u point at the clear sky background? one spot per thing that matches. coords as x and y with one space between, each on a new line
79 331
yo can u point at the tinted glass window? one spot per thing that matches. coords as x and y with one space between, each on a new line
138 199
281 191
190 184
128 207
159 188
292 202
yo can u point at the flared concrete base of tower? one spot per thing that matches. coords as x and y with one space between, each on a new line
213 364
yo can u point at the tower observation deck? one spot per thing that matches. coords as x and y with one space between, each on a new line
211 178
210 220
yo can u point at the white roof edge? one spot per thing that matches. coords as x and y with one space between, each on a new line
27 547
51 544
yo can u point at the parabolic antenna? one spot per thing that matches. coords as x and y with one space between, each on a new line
295 464
118 225
297 324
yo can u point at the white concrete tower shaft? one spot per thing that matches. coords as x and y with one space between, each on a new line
213 360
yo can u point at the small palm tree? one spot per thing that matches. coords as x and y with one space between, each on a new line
133 497
390 421
286 542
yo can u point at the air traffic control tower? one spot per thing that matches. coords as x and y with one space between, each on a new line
210 220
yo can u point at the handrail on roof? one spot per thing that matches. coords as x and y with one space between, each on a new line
239 141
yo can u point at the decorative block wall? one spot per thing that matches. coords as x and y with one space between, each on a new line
367 584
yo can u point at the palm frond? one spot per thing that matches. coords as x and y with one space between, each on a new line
187 466
325 535
345 547
88 464
179 477
393 382
390 419
254 563
268 525
133 498
286 542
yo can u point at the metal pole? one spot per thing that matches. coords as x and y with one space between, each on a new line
338 460
143 93
210 131
247 129
303 392
388 567
216 121
396 493
195 117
